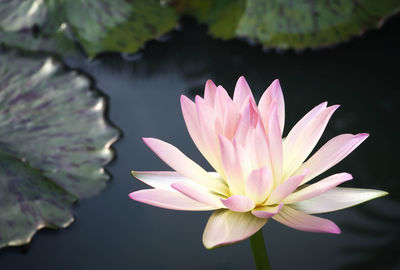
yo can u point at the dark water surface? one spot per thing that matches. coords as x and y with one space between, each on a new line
113 232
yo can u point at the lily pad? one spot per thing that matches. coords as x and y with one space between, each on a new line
21 14
289 24
98 25
124 26
221 16
55 43
54 142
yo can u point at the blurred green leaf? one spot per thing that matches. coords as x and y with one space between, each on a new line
222 16
289 24
54 142
21 14
55 43
124 26
98 25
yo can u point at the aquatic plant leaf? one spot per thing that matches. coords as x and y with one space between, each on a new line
55 43
54 142
147 21
29 201
124 26
289 24
222 17
98 25
21 14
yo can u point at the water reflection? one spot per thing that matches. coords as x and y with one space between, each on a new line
381 252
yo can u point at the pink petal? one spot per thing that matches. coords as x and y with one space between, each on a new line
206 116
259 184
207 120
242 92
183 165
305 141
303 222
231 121
222 101
273 94
194 127
300 125
318 188
260 147
226 113
168 199
331 153
251 147
238 203
275 144
198 193
192 122
209 93
232 166
336 199
244 161
159 179
248 121
285 189
226 227
267 211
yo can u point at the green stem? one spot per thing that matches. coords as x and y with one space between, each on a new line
259 251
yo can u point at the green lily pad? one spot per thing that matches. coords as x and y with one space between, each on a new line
54 142
289 24
221 16
98 25
21 14
55 43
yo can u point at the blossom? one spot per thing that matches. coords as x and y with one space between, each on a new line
258 174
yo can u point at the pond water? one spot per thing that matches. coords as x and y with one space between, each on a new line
113 232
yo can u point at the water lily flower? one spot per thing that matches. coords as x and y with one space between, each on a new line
258 174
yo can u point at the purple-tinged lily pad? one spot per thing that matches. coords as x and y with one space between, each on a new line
54 142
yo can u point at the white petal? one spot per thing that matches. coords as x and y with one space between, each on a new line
284 189
267 211
226 227
238 203
184 165
259 184
330 154
336 199
159 179
318 188
198 193
304 142
303 222
168 199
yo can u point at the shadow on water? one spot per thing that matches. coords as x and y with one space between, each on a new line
144 91
383 253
